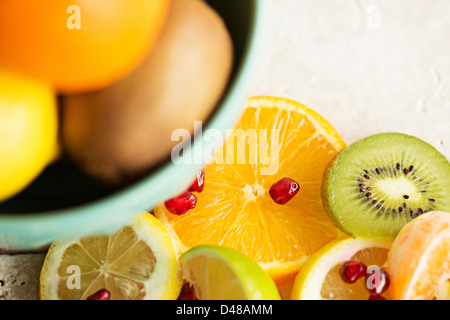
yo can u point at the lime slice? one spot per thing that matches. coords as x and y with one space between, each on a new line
220 273
136 263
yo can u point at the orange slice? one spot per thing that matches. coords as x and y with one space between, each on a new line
275 138
419 261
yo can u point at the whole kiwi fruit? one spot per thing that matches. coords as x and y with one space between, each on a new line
119 133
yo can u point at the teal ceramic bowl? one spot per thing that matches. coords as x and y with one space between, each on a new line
63 203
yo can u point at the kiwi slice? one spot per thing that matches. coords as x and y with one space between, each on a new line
380 183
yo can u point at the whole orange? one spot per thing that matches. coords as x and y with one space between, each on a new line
78 45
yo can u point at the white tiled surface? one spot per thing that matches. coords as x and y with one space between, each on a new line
367 66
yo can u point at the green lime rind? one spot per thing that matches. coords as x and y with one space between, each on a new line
385 149
254 281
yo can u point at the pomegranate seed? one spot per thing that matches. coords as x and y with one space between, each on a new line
351 271
199 183
377 280
181 204
101 294
376 297
284 190
187 293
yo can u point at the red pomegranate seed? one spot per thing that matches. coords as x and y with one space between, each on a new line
376 297
181 204
284 190
351 271
101 294
377 280
199 183
187 293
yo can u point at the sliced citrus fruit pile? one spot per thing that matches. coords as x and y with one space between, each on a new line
320 278
138 262
220 273
275 138
419 262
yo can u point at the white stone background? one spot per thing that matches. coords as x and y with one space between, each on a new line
367 66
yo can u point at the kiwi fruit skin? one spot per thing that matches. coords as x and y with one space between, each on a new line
324 192
118 134
364 220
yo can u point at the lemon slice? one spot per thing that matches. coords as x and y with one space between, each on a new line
220 273
319 278
137 262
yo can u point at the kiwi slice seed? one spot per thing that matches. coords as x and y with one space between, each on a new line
380 183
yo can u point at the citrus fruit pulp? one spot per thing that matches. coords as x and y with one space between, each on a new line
81 46
28 131
138 262
444 291
235 209
419 261
319 278
220 273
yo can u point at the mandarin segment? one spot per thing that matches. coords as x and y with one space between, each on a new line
419 261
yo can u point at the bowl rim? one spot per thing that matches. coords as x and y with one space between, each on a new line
34 230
